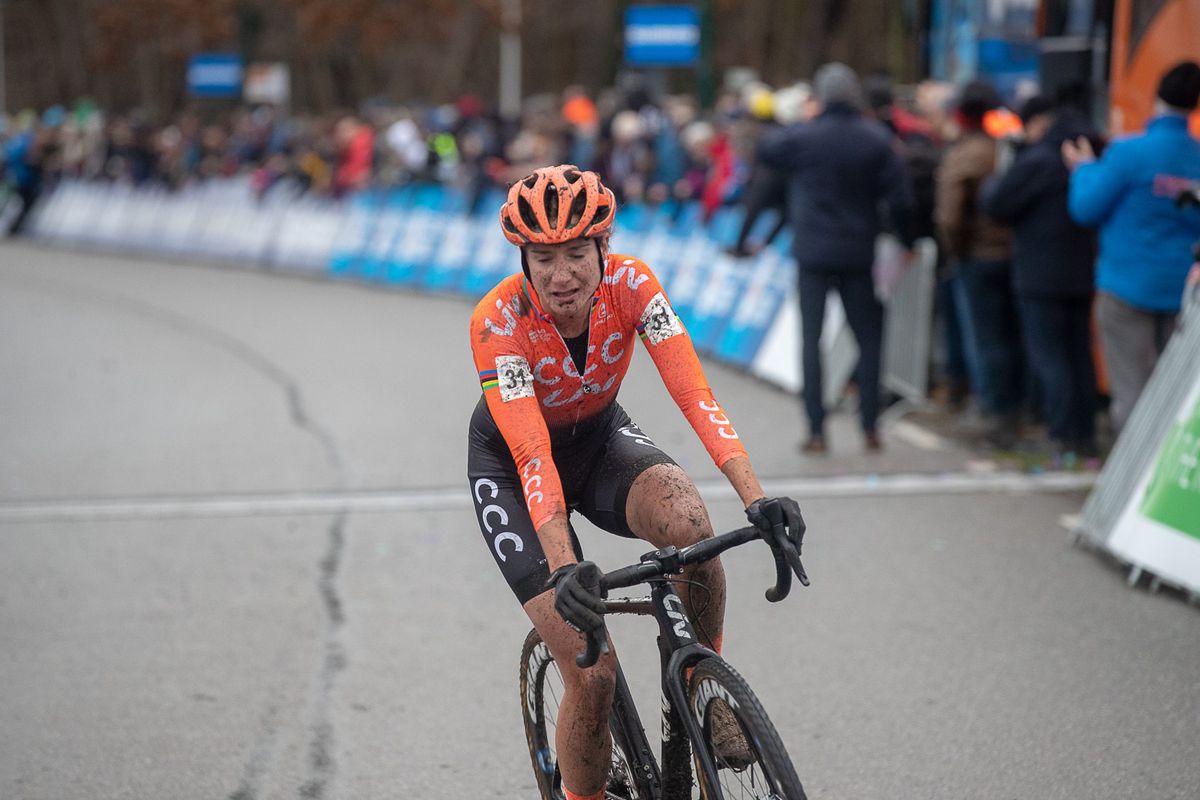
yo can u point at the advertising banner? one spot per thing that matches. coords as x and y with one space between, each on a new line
267 82
214 75
662 36
425 237
1160 527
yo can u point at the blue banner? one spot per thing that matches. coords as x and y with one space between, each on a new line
214 75
425 237
662 36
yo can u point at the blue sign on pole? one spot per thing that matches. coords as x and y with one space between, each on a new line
215 75
662 36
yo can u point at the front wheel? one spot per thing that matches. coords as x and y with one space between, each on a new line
750 757
541 691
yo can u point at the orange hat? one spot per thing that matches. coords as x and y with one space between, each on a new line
580 110
1000 122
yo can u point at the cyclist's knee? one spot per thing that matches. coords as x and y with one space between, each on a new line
664 508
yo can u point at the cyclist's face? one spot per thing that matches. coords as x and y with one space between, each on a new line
564 276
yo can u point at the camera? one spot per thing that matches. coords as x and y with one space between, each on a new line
1189 196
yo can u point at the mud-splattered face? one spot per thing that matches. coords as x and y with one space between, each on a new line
565 276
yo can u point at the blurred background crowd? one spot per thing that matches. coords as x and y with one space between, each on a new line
646 146
984 170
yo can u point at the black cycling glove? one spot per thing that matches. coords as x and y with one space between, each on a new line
768 512
580 606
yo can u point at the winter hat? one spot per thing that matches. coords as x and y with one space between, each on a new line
976 99
837 83
1180 86
1036 106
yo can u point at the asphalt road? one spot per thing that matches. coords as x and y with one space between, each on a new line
237 560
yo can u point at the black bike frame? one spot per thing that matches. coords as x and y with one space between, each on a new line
678 650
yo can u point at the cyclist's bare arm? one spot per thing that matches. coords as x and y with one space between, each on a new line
555 538
674 355
741 476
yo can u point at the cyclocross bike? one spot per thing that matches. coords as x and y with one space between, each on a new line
689 705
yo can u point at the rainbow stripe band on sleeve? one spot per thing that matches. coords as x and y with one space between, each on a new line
488 379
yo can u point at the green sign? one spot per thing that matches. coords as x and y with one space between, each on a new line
1173 494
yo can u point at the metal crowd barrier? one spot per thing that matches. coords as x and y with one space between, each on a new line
1173 382
909 327
741 311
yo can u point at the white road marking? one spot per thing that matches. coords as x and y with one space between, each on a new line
918 436
453 498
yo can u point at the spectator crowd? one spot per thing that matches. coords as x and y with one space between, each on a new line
1014 200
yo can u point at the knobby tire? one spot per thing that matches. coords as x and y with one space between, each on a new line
771 773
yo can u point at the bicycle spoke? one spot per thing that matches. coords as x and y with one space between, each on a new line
552 719
750 781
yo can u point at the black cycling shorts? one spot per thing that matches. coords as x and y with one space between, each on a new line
597 460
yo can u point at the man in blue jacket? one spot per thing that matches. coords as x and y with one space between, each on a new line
839 169
1145 240
1052 271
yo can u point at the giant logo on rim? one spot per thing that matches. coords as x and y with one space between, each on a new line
707 691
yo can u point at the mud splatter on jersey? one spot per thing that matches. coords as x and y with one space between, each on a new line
532 385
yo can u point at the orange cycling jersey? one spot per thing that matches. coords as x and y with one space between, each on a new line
532 385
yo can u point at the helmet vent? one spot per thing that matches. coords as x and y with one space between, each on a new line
527 215
578 207
550 203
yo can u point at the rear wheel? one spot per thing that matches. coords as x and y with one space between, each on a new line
757 767
541 691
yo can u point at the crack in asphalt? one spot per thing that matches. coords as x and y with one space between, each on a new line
260 758
219 339
321 763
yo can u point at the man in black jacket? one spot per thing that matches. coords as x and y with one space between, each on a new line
1053 263
840 168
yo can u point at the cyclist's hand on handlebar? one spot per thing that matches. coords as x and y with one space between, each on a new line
778 516
580 605
779 522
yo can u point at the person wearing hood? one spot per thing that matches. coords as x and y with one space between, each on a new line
1052 271
840 170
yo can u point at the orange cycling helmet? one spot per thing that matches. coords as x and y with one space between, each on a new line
555 205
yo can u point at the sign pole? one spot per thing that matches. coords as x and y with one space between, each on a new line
706 80
3 96
510 60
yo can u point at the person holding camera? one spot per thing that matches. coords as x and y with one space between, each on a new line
1145 240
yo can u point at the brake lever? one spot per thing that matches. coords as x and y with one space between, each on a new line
793 559
597 645
597 641
783 577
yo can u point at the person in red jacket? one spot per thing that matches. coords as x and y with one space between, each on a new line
356 145
552 344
